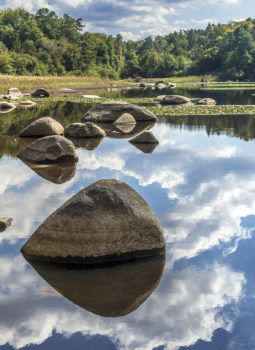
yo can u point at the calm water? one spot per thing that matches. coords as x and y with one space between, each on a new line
200 182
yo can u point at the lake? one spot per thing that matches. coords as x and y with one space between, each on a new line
199 181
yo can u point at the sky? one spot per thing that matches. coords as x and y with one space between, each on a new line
137 19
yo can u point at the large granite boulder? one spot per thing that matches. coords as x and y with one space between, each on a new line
5 222
108 112
40 93
6 107
174 100
109 291
81 130
145 137
207 101
45 126
105 222
49 149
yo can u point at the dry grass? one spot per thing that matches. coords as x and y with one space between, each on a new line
30 83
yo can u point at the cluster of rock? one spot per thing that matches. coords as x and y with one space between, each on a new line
16 94
182 100
158 85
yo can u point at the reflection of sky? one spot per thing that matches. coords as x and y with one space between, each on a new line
201 188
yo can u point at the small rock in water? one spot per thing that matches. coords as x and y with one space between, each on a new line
40 93
5 222
145 137
125 118
45 126
174 100
80 130
6 107
107 221
15 93
49 149
207 101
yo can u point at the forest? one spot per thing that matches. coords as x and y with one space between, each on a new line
46 44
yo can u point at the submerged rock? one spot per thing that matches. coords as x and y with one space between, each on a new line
82 130
108 112
109 291
49 149
107 221
45 126
6 107
40 93
145 137
5 222
207 101
56 173
125 118
174 100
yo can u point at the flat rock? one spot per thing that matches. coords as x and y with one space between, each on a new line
49 149
45 126
174 100
125 118
90 96
66 90
5 222
6 107
109 291
108 112
80 130
207 101
40 93
55 173
160 86
145 137
27 103
105 222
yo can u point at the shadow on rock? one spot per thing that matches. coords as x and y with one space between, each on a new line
108 291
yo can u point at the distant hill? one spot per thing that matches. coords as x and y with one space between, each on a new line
45 44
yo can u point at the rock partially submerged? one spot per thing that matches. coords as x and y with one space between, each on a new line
49 149
40 93
207 101
146 137
6 107
84 130
110 291
5 222
108 112
105 222
174 100
45 126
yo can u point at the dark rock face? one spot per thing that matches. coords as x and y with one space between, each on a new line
174 100
45 126
6 107
108 291
56 173
49 149
207 101
5 222
108 112
40 93
107 221
146 137
84 130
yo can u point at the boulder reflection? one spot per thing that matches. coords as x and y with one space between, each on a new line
108 291
125 131
56 173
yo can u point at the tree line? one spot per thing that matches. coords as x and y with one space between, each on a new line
46 44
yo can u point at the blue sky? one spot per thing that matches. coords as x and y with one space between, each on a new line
137 19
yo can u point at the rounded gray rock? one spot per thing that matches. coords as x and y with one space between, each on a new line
84 130
49 149
107 221
207 101
108 112
174 100
45 126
